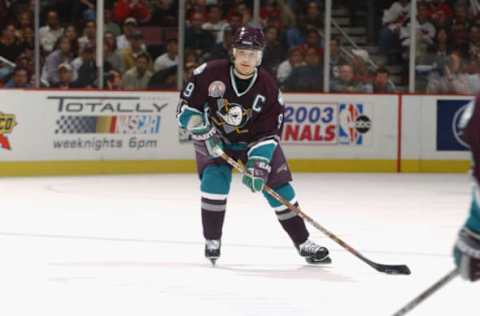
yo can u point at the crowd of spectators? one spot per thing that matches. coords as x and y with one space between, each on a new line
141 44
447 43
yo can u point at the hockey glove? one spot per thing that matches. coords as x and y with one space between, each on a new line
258 171
209 138
467 254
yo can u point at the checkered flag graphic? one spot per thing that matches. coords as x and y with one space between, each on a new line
76 125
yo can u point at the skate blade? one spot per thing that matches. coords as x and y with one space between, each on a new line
326 260
213 261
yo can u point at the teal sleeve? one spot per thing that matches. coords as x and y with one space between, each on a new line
186 114
473 221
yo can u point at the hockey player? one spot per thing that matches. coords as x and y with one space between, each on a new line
237 107
467 247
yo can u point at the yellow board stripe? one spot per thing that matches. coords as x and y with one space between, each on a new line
435 166
43 168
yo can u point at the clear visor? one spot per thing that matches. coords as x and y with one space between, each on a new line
251 55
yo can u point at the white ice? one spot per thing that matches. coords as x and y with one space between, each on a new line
132 245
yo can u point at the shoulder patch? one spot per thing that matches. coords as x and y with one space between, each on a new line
200 69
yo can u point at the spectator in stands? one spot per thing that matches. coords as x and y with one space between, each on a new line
25 20
215 24
235 21
198 6
439 12
312 18
359 61
169 58
441 47
164 13
89 35
460 15
337 57
114 80
165 79
72 34
425 32
123 41
4 5
382 82
112 56
137 9
137 47
393 20
269 9
86 68
274 52
65 77
109 24
10 45
19 80
459 35
346 81
222 50
434 60
312 40
454 78
26 60
295 59
84 9
246 14
27 38
50 33
309 77
474 42
196 38
139 76
62 55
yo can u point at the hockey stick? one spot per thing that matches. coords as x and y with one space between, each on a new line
389 269
428 292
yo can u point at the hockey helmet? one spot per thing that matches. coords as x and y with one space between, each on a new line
248 37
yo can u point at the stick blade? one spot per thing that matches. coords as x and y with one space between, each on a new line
393 269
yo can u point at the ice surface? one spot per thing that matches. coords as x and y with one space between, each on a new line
132 245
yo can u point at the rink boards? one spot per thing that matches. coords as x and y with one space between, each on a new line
80 132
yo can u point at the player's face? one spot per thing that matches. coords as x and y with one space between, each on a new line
246 60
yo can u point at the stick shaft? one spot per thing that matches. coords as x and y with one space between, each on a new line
428 292
300 213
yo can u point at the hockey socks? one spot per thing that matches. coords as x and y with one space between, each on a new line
291 222
213 215
215 186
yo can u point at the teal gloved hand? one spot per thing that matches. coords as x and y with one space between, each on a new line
209 139
467 254
258 171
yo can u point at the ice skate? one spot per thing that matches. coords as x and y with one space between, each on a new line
314 253
212 250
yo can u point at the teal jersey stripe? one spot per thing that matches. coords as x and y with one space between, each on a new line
263 150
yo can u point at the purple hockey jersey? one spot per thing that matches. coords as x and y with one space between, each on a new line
470 122
241 117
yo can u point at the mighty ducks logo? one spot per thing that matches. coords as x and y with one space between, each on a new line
232 117
7 123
